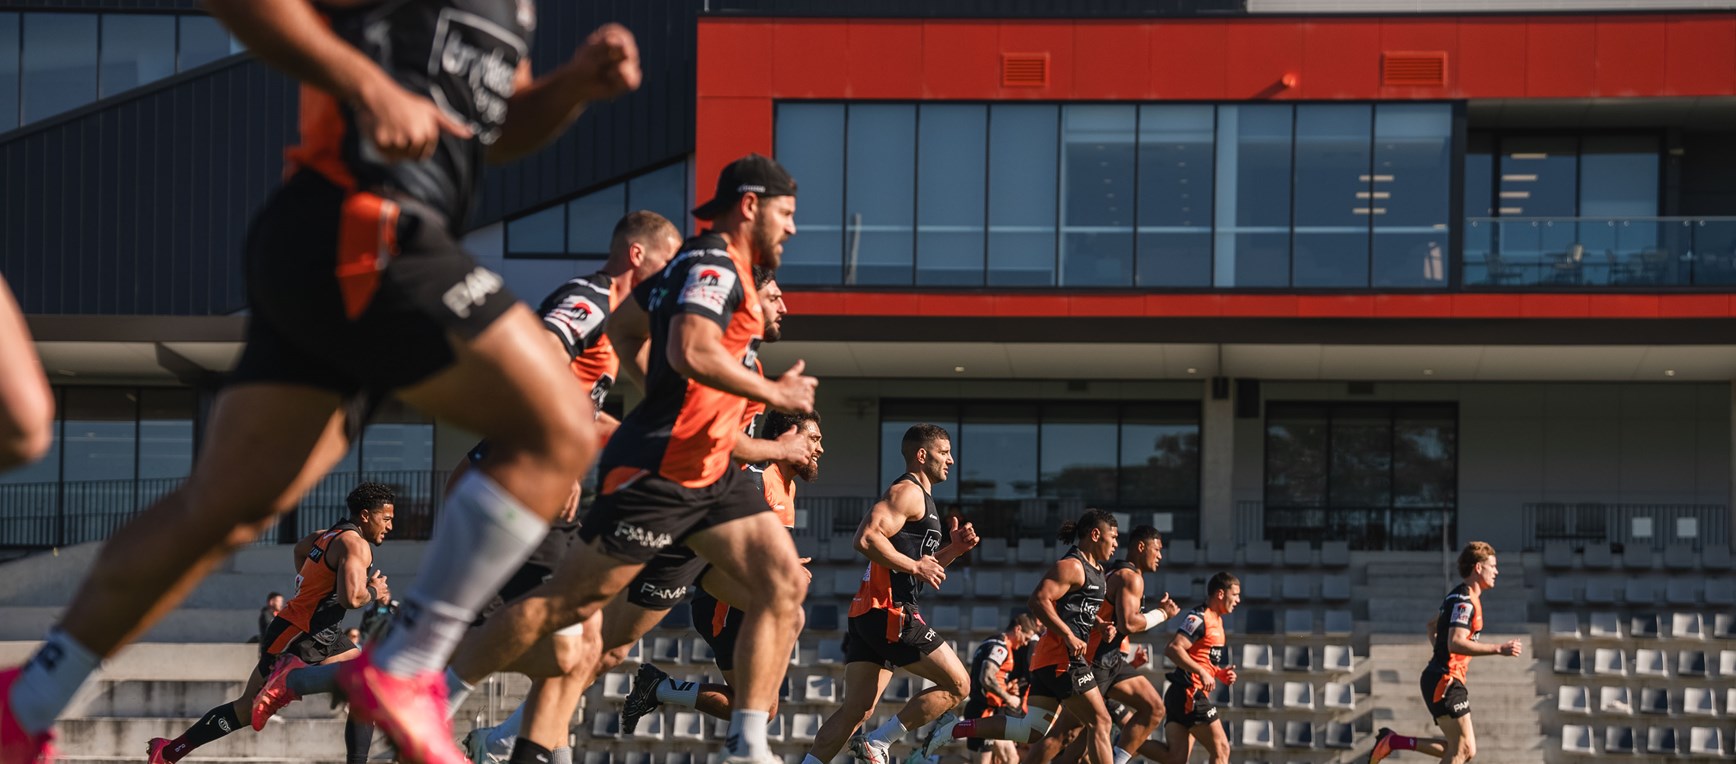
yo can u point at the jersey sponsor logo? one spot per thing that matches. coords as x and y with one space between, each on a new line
1085 678
641 536
750 359
709 287
929 636
1461 706
600 391
471 291
998 654
1461 614
1191 625
576 319
930 541
474 60
661 594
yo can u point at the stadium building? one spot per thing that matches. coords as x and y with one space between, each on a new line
1322 289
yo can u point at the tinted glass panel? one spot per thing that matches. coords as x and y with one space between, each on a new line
661 191
951 194
8 71
1619 179
1175 196
136 49
203 40
896 418
399 438
1479 202
100 424
1333 196
880 214
165 433
1023 147
810 144
1361 457
1425 455
1412 181
1296 455
1097 169
591 219
1160 456
1252 210
59 63
1004 441
46 469
541 232
1079 458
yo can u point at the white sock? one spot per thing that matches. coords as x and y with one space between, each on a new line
501 738
679 693
481 536
50 680
561 755
457 690
747 733
889 732
1121 756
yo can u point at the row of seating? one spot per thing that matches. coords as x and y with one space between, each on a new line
1613 662
1559 555
1177 553
1584 739
1296 735
1686 625
692 726
1288 696
1638 592
1333 659
1618 700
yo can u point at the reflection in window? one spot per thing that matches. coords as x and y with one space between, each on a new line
540 232
810 144
1004 439
1252 218
1175 196
950 195
591 219
59 63
203 40
1411 184
1023 148
661 191
46 469
1333 196
136 49
1097 168
1160 455
879 245
100 429
584 224
165 433
1079 459
896 419
399 439
8 72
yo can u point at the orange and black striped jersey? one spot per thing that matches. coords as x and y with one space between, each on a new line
315 607
1205 628
461 54
683 430
885 589
1460 610
577 312
1107 613
995 653
1078 610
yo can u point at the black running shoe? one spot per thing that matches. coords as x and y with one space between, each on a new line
642 699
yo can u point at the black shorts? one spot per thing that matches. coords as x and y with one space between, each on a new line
1184 705
719 625
1444 695
1112 669
891 639
285 638
1063 681
667 579
650 515
350 293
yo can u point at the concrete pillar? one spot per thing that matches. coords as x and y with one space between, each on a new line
1730 500
1217 469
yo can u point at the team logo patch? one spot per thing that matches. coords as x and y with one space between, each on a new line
1192 624
708 286
1462 614
471 291
641 536
576 318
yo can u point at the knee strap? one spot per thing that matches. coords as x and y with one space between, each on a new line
1032 726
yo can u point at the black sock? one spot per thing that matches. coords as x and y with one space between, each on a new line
526 752
216 723
358 737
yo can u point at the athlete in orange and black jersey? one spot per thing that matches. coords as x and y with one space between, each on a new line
991 666
576 313
1055 672
1202 662
892 591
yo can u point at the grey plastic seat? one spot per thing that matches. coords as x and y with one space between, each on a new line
1705 741
1577 738
1573 699
1618 739
1661 740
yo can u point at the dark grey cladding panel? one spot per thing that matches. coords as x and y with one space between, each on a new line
978 8
100 5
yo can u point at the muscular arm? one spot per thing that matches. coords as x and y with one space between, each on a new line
303 548
990 680
351 560
751 450
902 504
1178 654
1064 576
1126 589
1460 643
629 330
541 109
696 351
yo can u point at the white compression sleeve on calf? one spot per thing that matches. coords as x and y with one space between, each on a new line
49 682
481 536
1031 727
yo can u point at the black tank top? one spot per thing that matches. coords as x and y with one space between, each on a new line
915 540
1078 608
330 612
1113 647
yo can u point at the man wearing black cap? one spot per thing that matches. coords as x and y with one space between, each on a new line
668 488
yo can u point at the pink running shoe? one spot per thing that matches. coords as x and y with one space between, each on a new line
16 745
411 711
154 751
276 693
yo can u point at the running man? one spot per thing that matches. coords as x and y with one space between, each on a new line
26 425
358 287
1202 662
901 537
991 695
669 489
717 622
332 578
1454 633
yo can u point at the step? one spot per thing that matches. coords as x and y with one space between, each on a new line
174 699
295 739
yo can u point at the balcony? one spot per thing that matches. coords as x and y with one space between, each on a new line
1593 253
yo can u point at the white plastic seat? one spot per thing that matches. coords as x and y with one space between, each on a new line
700 651
803 727
778 728
1257 733
1257 553
1661 740
1568 661
1256 657
1609 661
1299 695
1257 587
1298 553
1340 735
616 685
1298 658
1559 591
1335 588
1032 551
1180 553
1339 623
1645 626
1618 739
1298 734
1648 662
1641 592
1724 626
947 618
650 728
1573 699
1605 625
1576 738
831 652
1339 695
666 650
1682 591
1600 591
1687 625
820 688
1705 741
687 725
1298 587
1564 625
1698 701
1655 700
1338 658
1721 591
987 618
606 725
1299 622
1257 695
1692 663
1615 699
1727 664
992 550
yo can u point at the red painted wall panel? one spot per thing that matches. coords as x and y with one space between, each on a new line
1700 55
1112 60
1039 37
1491 57
885 59
805 60
960 59
1195 305
1560 57
1630 59
1336 58
1258 54
1186 60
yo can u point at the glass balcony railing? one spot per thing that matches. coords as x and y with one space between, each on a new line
1599 252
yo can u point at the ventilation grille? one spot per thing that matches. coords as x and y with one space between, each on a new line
1024 70
1426 69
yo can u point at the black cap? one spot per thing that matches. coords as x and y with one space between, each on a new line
759 174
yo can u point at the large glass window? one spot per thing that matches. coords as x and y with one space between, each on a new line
661 191
810 145
1175 196
1410 194
591 220
101 426
1080 457
399 439
951 194
1252 219
1382 475
166 433
879 213
1160 455
896 419
1097 182
1004 437
8 71
1023 150
60 63
136 49
580 229
203 40
1332 204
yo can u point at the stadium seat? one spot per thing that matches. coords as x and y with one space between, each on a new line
786 690
1298 553
825 616
1340 735
1727 664
1220 555
1605 625
1724 626
1699 701
1298 734
820 688
1618 739
1705 741
700 651
666 649
1260 621
1180 587
616 685
992 550
831 652
990 584
1692 663
1335 587
845 582
1638 558
1339 695
1025 582
1679 557
1576 738
1299 695
606 725
987 618
778 728
1644 626
803 727
687 725
1257 587
1654 700
1257 733
636 651
1641 592
599 757
1180 553
1256 695
1221 695
1335 554
808 546
1299 622
1033 552
1721 591
1573 699
1297 587
1682 591
1730 701
1615 699
1559 591
1600 591
1339 623
843 549
650 728
1597 556
946 618
1661 740
678 757
1715 557
633 757
1255 657
1686 625
1649 662
1568 661
1609 661
1340 659
1257 554
1563 625
1298 658
1557 555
